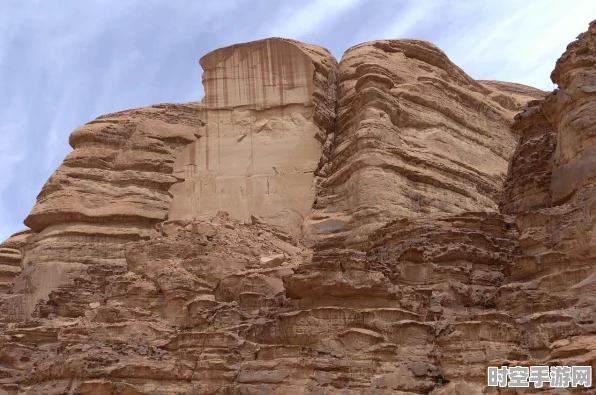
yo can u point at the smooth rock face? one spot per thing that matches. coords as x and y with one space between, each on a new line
417 227
263 137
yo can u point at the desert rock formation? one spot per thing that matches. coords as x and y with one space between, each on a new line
415 137
385 225
268 112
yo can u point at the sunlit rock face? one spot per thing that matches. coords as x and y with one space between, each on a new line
110 190
268 109
416 137
11 266
385 225
553 196
11 259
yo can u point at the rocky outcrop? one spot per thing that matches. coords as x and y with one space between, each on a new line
416 137
110 190
387 225
10 259
550 292
11 265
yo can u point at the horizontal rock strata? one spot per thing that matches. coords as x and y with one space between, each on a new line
416 137
110 190
550 292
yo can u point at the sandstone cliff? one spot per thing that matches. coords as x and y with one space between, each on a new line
384 225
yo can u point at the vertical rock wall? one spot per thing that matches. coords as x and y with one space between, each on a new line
268 110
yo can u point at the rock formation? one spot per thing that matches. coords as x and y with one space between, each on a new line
385 225
415 137
267 113
10 267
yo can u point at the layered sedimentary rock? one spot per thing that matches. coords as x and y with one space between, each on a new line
110 190
10 259
11 265
551 289
415 137
387 225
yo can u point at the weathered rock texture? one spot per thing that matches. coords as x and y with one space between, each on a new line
387 225
110 190
11 257
551 192
415 137
268 113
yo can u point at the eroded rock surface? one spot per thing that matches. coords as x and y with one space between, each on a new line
416 137
268 111
10 259
11 265
113 188
387 225
551 287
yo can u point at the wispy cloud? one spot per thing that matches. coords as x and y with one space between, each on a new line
12 150
410 16
13 153
299 20
60 67
511 40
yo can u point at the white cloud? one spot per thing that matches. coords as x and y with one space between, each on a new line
13 153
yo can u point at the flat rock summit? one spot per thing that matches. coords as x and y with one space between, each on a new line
384 224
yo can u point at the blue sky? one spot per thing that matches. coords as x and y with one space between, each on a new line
65 62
